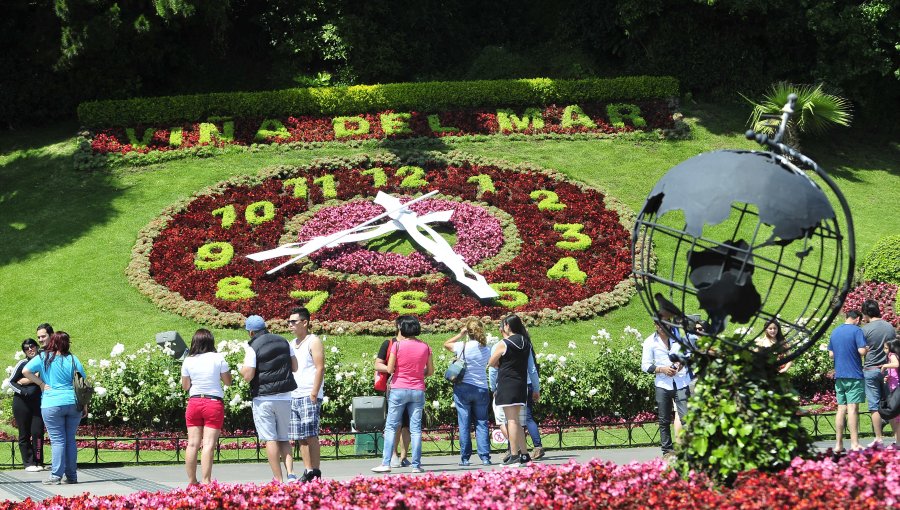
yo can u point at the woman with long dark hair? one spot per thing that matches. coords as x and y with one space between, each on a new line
52 371
773 337
511 360
202 375
27 411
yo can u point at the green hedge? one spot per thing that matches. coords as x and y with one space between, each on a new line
429 96
882 264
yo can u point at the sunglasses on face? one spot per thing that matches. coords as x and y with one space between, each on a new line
292 322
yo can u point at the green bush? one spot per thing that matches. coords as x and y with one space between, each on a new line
429 96
882 264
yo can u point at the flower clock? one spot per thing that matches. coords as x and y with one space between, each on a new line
360 241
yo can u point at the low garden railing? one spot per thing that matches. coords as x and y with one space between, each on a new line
95 449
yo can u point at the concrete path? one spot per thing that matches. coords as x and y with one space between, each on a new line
18 484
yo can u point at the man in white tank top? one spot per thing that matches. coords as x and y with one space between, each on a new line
306 400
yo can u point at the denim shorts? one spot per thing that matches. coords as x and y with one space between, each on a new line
873 388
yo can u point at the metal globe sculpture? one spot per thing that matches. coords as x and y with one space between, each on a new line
742 237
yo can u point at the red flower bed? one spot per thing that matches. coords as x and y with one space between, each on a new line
359 299
656 114
884 293
861 480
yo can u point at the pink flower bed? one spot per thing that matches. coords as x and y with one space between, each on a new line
478 236
862 480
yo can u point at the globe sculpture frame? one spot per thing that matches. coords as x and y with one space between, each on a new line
794 263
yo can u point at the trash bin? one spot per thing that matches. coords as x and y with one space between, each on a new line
369 443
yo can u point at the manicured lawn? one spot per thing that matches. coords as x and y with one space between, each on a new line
67 235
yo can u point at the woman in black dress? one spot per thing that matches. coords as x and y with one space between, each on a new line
511 360
27 411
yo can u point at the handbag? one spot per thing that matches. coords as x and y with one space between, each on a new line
457 368
84 391
381 378
889 407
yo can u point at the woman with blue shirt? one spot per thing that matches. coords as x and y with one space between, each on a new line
56 366
471 394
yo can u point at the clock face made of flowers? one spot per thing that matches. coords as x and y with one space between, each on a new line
548 248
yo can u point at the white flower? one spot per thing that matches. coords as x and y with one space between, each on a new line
156 419
166 372
104 363
120 371
603 334
595 342
108 414
572 345
551 379
124 418
573 379
126 390
334 349
546 345
122 365
338 376
325 399
133 357
6 384
823 347
100 391
116 350
592 392
571 393
141 382
235 400
632 331
90 415
562 360
19 355
435 404
92 362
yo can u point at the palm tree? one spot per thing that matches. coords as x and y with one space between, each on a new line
815 111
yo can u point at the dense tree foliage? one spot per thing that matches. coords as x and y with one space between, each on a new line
60 52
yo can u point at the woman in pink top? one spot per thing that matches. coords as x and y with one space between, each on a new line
891 371
410 362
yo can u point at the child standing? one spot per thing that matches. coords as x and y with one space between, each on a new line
891 371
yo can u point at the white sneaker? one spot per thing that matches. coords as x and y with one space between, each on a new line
381 469
34 469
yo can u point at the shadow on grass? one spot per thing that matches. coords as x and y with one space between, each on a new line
400 147
44 202
724 119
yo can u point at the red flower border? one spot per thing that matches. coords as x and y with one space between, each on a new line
163 262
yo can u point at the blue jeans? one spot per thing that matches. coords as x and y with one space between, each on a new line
413 401
62 422
530 424
472 401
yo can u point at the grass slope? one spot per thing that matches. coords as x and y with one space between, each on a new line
67 235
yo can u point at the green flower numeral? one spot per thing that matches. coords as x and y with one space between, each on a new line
577 241
510 296
326 182
175 136
485 183
573 116
228 215
567 268
234 288
414 177
350 126
409 302
260 212
549 200
314 298
213 255
619 113
379 178
299 185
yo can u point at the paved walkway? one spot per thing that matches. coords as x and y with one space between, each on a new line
18 484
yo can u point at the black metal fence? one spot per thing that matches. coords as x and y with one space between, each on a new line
105 450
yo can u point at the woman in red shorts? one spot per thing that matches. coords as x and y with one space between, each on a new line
202 375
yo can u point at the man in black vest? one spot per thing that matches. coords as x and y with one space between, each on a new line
269 363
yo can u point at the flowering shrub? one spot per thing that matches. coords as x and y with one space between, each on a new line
537 259
868 480
884 293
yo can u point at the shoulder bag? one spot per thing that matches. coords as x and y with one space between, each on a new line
457 367
84 392
381 378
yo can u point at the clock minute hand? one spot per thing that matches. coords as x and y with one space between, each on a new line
301 250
